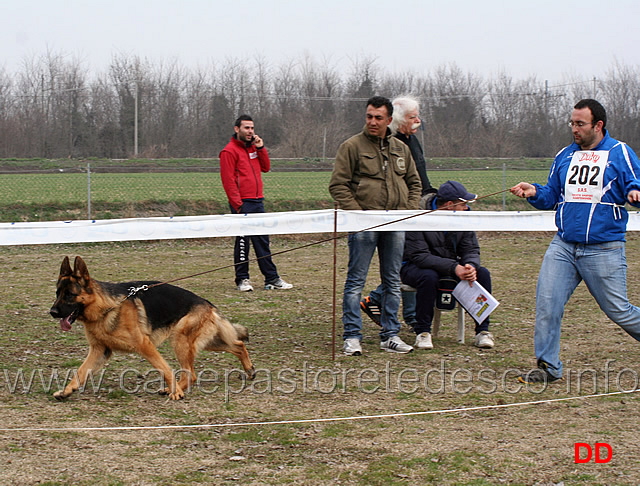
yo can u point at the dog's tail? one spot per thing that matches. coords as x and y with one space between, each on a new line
242 332
227 333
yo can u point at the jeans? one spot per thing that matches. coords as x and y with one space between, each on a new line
408 303
390 245
603 267
425 280
260 246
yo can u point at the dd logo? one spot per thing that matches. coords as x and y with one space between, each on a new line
598 446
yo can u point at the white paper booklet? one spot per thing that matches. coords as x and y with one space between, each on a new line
475 299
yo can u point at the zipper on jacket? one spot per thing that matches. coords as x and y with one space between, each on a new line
254 171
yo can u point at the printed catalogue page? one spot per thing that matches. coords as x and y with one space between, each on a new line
475 299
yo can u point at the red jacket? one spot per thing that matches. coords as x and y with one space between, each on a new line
240 168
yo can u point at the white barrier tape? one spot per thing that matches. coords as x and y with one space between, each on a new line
320 221
316 420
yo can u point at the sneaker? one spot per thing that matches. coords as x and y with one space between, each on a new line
423 341
245 285
539 375
351 347
278 284
395 345
407 288
484 339
371 309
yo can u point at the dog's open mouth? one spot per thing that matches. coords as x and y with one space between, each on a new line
65 322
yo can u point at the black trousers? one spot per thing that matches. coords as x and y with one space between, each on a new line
425 280
260 247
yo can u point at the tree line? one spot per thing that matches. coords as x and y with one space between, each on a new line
53 107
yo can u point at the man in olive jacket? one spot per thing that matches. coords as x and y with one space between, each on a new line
374 171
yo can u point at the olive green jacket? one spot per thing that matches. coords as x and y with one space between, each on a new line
375 173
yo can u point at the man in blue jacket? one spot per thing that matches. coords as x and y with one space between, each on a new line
589 183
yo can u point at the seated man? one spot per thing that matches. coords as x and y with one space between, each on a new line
431 255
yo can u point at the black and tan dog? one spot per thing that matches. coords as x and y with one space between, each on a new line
115 321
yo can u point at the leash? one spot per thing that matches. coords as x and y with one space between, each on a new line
134 290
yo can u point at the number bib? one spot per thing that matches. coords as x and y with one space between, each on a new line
584 178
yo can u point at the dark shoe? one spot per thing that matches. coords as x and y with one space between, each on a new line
539 375
371 309
411 324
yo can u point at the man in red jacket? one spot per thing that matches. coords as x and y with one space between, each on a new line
241 164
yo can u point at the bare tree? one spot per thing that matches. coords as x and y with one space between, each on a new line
621 98
303 108
455 109
9 127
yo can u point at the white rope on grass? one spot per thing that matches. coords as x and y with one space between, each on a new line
316 420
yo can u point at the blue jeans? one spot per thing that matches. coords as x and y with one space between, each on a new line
408 303
603 267
390 245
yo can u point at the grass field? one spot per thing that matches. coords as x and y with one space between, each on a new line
63 196
291 346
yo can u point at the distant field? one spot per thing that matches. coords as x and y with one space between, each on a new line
63 193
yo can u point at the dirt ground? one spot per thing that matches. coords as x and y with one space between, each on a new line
453 415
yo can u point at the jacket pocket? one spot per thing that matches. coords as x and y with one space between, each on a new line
369 165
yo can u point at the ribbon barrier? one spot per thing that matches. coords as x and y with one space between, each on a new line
294 222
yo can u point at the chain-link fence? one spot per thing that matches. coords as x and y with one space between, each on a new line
73 190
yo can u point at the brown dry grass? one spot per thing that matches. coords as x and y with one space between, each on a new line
291 335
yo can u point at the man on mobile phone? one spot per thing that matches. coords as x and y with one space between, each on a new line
242 162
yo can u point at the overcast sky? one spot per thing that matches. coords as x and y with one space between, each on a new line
554 40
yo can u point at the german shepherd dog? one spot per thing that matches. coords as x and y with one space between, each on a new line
116 319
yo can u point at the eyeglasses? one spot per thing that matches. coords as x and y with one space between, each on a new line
578 124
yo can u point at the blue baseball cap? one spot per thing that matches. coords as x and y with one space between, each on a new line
454 191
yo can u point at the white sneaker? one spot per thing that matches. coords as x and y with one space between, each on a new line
395 345
352 347
278 284
484 340
423 341
245 285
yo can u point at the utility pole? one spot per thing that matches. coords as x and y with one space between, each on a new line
135 121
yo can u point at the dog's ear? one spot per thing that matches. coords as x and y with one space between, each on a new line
80 270
65 268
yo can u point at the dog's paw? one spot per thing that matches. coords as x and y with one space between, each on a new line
178 395
251 374
60 395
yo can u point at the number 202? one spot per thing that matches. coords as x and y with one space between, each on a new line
582 174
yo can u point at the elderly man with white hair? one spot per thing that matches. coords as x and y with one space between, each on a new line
404 126
406 122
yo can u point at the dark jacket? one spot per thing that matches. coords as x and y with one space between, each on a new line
418 158
441 250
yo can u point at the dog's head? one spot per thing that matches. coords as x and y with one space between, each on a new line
74 291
